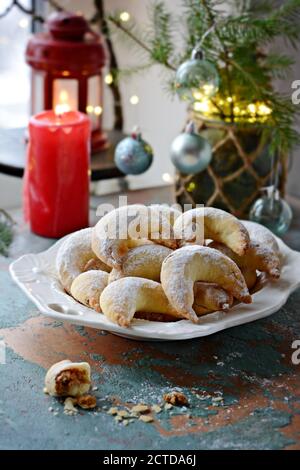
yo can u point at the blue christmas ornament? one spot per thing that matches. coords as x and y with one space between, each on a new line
190 153
133 155
197 79
272 211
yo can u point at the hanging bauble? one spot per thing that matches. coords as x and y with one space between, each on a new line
272 211
190 153
197 79
133 155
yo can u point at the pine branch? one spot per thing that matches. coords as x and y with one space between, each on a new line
161 43
6 232
55 5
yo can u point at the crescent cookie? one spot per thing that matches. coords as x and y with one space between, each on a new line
127 227
264 250
87 287
250 277
196 225
143 261
121 299
210 297
96 264
189 264
247 264
73 256
170 212
262 256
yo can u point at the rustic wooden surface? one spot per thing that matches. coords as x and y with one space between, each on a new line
249 365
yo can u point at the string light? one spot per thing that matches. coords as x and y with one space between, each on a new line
167 178
124 16
108 79
242 112
252 108
134 100
202 106
191 187
264 110
89 109
23 23
98 110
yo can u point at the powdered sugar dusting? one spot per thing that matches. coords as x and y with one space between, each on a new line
73 255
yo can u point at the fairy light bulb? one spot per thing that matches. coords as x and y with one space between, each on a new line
23 23
167 178
134 100
202 106
124 16
108 79
98 110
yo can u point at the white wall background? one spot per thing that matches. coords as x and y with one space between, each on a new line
159 117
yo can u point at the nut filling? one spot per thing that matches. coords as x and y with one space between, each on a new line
70 379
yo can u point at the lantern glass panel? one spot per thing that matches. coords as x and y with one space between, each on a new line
65 95
94 104
37 99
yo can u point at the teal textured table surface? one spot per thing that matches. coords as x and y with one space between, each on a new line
242 385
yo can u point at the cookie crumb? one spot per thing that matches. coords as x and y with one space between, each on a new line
146 418
176 398
123 414
156 408
140 408
69 408
168 406
87 402
112 411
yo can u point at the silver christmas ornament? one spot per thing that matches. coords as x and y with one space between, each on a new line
190 153
133 155
197 78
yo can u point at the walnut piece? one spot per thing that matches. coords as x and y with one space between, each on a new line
87 402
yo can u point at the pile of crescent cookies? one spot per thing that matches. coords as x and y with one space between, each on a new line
194 263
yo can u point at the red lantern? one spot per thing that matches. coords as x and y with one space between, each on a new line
67 63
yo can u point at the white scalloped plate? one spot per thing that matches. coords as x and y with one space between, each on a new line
35 274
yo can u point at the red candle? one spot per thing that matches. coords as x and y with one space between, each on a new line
56 191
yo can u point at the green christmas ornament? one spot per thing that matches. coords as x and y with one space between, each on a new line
196 79
190 153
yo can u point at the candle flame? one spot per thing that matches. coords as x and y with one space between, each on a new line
63 105
62 108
